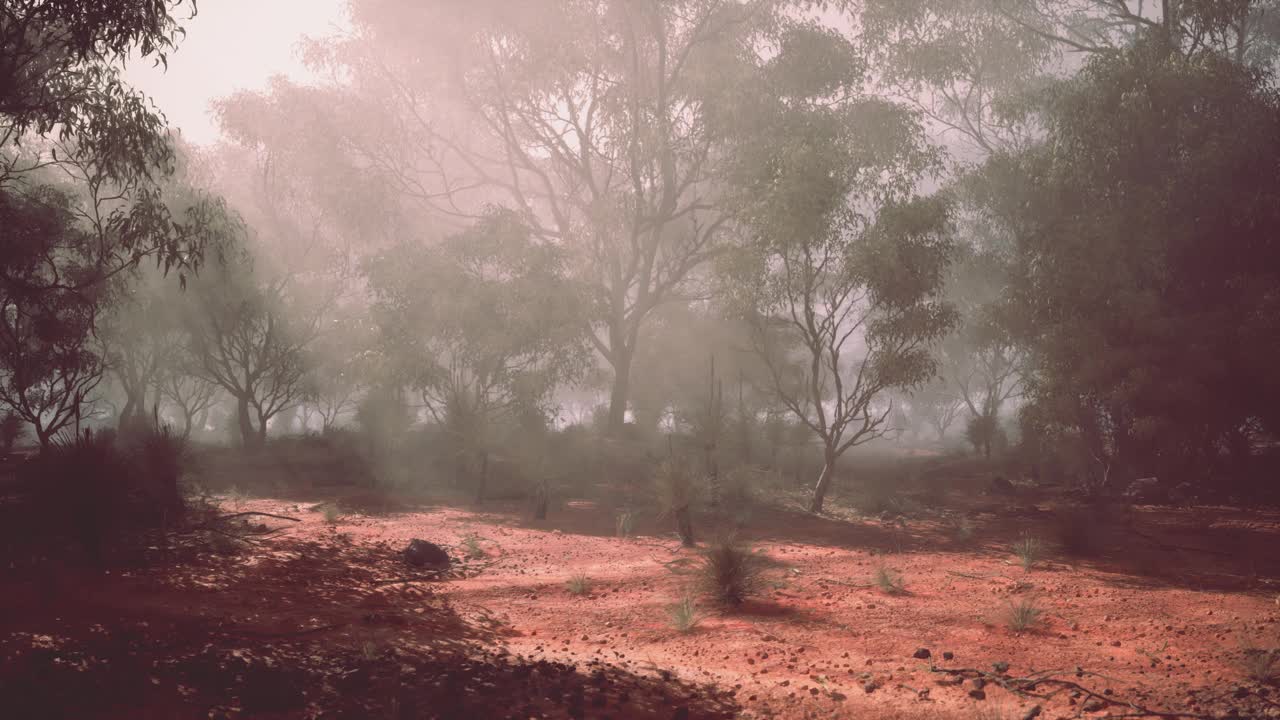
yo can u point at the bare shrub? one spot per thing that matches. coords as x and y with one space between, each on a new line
1077 532
674 484
1261 665
1029 550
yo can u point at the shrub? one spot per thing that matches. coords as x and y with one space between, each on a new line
1023 614
675 487
83 490
578 584
888 581
684 614
1029 550
730 572
961 530
624 524
471 543
331 514
1260 665
161 455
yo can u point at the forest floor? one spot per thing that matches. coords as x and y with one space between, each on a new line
324 619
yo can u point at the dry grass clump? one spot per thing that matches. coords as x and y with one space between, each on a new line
1023 615
1261 665
1029 550
889 581
579 584
731 573
683 614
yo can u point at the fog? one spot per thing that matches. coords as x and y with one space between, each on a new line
878 276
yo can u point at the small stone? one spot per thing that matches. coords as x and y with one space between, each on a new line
870 686
1032 713
1000 667
948 655
977 695
921 654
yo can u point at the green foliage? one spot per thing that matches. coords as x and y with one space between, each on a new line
1029 550
683 614
730 572
578 584
1023 614
471 544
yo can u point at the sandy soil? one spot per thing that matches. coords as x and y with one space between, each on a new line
325 620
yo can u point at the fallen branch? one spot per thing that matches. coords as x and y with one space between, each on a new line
259 514
1026 686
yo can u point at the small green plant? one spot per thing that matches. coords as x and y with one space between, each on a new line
331 514
471 544
1029 550
684 614
624 524
578 584
889 582
1261 665
730 572
1023 615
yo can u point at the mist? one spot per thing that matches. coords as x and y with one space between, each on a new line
640 359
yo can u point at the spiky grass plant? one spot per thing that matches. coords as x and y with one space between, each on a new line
579 584
674 483
730 572
683 614
1260 665
1029 550
625 524
889 582
331 514
1023 615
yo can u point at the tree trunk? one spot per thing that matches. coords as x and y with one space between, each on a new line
249 438
684 526
483 479
621 390
44 436
824 481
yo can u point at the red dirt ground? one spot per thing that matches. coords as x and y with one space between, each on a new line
307 625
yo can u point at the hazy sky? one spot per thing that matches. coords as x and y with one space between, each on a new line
231 44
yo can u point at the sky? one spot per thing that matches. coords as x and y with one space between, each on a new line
231 45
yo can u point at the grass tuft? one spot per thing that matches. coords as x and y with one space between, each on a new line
1029 550
578 584
684 615
471 544
889 582
625 524
1262 666
331 514
730 572
1023 615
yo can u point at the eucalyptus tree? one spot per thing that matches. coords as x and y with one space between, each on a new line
483 327
842 270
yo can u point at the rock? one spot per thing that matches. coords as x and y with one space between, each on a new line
423 554
1094 705
1001 667
682 713
921 654
977 695
1183 493
979 683
948 655
870 686
1000 486
1032 713
839 697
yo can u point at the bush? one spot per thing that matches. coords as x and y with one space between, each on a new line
161 455
684 614
1023 615
730 572
83 490
674 484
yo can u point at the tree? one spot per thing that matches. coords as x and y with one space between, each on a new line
246 341
602 124
842 273
483 327
1145 276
